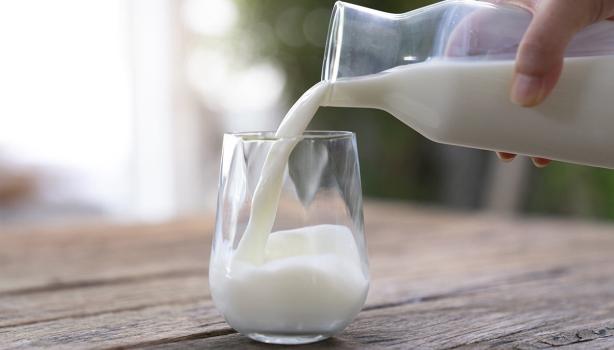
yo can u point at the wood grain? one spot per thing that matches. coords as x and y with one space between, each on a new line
439 281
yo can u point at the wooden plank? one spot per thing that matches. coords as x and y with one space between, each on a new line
534 312
41 259
38 259
78 299
92 297
169 323
438 280
82 302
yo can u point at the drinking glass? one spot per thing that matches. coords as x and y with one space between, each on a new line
307 278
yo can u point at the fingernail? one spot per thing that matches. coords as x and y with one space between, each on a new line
506 157
527 90
541 162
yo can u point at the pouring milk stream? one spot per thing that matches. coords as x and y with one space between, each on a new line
454 100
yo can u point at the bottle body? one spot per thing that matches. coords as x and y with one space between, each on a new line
460 93
467 104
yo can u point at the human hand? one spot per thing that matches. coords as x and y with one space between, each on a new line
540 56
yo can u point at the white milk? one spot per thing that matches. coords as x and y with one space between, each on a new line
307 281
310 282
467 103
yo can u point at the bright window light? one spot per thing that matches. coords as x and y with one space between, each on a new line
210 17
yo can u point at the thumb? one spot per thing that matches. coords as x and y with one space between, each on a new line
540 56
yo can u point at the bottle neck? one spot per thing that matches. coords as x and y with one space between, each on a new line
361 41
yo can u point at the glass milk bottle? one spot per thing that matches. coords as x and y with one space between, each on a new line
446 71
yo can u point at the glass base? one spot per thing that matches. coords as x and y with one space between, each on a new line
286 339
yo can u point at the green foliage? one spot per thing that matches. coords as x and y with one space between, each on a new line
572 190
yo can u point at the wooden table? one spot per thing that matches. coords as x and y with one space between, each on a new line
439 280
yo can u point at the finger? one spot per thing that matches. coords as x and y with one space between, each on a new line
506 157
540 55
480 32
541 162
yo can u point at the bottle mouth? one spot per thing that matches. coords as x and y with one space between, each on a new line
360 41
334 40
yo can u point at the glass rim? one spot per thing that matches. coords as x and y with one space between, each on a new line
306 135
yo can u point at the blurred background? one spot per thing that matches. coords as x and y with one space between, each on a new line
115 109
